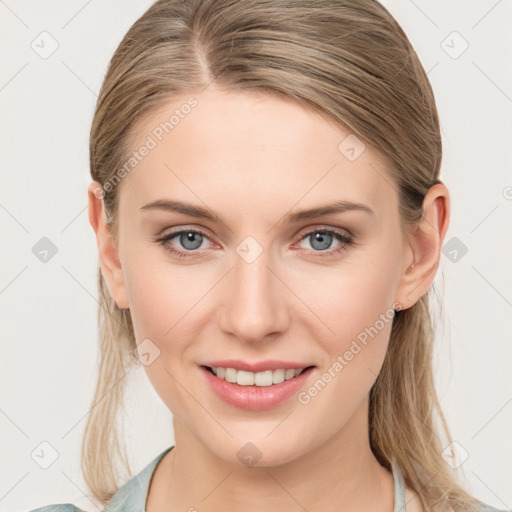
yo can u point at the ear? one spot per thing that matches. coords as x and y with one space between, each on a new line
107 247
424 247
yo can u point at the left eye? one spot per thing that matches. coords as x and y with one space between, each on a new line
322 239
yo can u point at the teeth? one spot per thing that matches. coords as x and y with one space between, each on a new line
266 378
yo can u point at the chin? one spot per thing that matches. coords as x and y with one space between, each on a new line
260 452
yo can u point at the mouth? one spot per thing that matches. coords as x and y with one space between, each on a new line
265 389
265 378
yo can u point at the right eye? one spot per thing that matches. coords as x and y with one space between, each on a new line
189 239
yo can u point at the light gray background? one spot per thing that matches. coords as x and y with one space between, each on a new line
48 310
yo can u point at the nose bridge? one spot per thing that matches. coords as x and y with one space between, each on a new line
255 305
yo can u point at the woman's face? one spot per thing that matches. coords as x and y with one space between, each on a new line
257 282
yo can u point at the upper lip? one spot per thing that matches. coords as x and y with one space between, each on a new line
260 366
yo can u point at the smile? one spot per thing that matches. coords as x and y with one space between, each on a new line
256 391
263 379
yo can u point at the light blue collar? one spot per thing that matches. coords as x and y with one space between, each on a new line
399 488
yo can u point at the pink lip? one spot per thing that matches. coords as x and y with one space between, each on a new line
261 366
255 398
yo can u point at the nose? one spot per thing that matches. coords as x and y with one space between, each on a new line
254 307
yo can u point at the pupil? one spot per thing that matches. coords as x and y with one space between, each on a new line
324 240
188 240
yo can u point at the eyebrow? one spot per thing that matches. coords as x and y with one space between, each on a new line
203 213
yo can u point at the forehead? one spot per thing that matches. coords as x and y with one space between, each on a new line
252 149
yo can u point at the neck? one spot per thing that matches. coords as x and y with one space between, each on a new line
340 474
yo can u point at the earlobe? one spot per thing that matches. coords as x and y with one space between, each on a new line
424 247
107 247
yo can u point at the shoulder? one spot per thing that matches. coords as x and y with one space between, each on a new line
62 507
130 497
487 508
414 504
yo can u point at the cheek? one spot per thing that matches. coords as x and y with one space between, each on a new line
351 297
166 301
356 313
166 298
162 294
353 308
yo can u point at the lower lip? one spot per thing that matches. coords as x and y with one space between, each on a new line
256 398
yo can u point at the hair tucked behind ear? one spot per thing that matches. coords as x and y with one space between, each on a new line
348 59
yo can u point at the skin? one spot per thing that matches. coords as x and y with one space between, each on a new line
252 158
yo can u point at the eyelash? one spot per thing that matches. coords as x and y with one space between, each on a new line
345 240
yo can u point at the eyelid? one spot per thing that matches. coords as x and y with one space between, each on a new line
323 227
176 229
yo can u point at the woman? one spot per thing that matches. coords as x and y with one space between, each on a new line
269 216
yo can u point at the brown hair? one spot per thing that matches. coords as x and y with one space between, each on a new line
348 59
